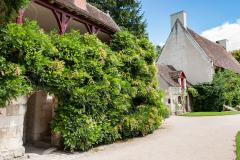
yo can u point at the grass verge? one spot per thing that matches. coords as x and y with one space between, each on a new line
238 146
198 114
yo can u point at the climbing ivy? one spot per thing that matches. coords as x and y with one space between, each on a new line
105 92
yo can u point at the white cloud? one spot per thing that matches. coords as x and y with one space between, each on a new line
229 31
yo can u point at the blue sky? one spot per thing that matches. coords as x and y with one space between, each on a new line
203 15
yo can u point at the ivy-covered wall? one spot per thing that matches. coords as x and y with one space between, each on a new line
105 92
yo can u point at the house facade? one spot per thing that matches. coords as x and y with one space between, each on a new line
197 56
26 120
174 84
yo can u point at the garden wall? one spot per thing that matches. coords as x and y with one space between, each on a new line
11 128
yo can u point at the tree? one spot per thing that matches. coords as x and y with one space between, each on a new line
158 49
236 54
126 13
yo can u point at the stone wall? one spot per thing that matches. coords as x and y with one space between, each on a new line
11 129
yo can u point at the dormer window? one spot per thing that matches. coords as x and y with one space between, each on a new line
182 80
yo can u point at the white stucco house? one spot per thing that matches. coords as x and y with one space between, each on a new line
174 84
195 57
193 54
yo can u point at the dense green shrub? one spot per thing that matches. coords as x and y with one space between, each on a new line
104 93
238 145
224 90
12 81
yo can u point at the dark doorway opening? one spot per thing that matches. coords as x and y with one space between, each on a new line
37 131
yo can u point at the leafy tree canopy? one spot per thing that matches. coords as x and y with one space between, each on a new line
236 54
126 13
158 49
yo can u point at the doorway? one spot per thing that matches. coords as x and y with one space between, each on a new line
37 131
186 104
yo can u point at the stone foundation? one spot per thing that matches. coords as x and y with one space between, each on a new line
11 129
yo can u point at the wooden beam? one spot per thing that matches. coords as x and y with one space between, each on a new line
92 29
74 16
62 19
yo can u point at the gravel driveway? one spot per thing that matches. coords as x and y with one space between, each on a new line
179 138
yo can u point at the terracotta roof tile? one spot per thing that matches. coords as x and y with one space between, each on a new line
220 57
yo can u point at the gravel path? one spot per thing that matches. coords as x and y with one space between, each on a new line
180 138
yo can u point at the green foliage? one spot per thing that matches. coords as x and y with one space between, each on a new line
12 81
78 130
193 92
9 8
236 54
158 49
126 14
105 93
224 90
202 114
238 145
144 121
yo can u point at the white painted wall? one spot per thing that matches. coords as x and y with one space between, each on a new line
11 128
182 52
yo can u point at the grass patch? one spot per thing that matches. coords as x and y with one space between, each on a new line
238 146
198 114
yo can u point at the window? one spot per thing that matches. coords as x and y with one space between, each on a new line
169 101
179 100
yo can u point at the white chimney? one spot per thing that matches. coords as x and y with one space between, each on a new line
181 16
223 43
80 3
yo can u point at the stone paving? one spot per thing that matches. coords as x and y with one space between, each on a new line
179 138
